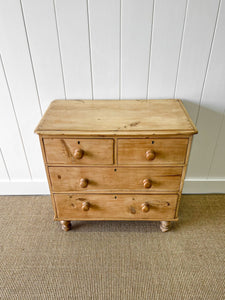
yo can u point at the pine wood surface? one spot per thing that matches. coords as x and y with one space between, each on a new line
95 151
116 160
184 172
166 151
115 207
116 117
67 179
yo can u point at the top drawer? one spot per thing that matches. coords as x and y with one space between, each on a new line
79 151
152 151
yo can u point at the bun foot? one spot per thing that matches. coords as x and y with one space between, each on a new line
66 225
165 226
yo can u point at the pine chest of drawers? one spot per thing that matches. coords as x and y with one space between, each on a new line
116 160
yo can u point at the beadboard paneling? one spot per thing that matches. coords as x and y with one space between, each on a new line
199 26
217 164
168 22
42 35
73 27
18 67
3 171
12 148
212 106
135 56
104 23
110 49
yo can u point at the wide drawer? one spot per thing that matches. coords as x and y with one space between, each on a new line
154 179
152 151
121 207
79 151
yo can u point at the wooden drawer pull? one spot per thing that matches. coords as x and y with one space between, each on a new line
78 153
147 183
150 154
145 207
86 206
83 182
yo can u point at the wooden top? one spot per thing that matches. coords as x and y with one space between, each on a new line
116 117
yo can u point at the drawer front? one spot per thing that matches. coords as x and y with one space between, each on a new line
152 151
154 179
79 151
94 207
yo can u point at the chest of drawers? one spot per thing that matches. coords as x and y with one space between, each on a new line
116 160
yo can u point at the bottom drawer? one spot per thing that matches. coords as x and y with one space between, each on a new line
115 207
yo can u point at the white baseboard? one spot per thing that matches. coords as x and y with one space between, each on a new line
204 186
40 187
24 187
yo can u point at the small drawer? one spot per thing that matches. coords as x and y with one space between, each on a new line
154 179
79 151
152 151
115 207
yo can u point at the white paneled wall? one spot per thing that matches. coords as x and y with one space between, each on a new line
167 32
110 49
135 48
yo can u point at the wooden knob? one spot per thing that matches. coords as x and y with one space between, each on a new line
86 206
147 183
145 207
78 153
150 154
83 182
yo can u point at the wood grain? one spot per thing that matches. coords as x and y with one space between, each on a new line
95 151
115 207
165 226
26 56
167 151
184 173
67 179
47 172
108 116
146 180
66 225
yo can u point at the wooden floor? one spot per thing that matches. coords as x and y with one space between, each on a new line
113 259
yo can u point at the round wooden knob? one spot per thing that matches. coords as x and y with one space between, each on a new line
83 182
78 153
150 154
147 183
86 206
145 207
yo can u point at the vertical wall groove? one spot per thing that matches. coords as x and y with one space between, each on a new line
217 138
181 46
60 53
120 51
14 111
31 60
6 169
150 48
120 47
208 61
90 52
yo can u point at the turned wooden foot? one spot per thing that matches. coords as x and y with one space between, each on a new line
66 225
165 226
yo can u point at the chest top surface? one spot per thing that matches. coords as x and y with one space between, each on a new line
116 117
